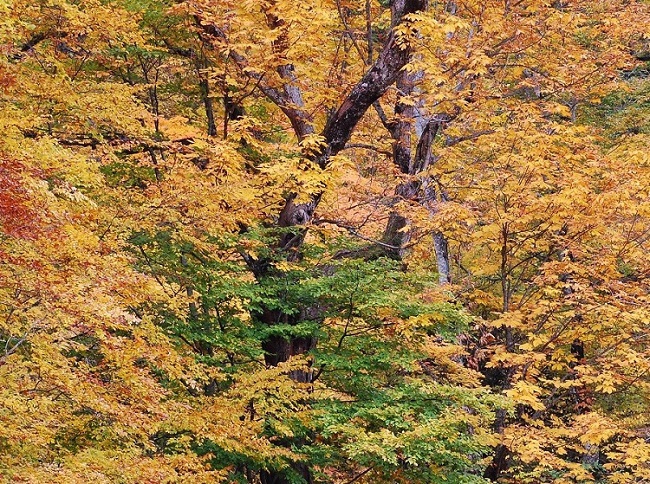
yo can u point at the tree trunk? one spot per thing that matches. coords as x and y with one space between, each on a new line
207 104
500 459
380 76
409 118
442 257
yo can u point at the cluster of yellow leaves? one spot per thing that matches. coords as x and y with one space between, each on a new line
81 399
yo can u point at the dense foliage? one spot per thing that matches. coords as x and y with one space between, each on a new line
336 241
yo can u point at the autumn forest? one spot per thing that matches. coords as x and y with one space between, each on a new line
328 241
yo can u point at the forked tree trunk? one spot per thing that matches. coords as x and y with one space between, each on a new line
382 74
413 136
379 77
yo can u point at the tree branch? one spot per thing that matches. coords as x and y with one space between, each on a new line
370 88
365 146
30 44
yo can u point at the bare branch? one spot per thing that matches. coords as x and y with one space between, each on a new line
451 141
